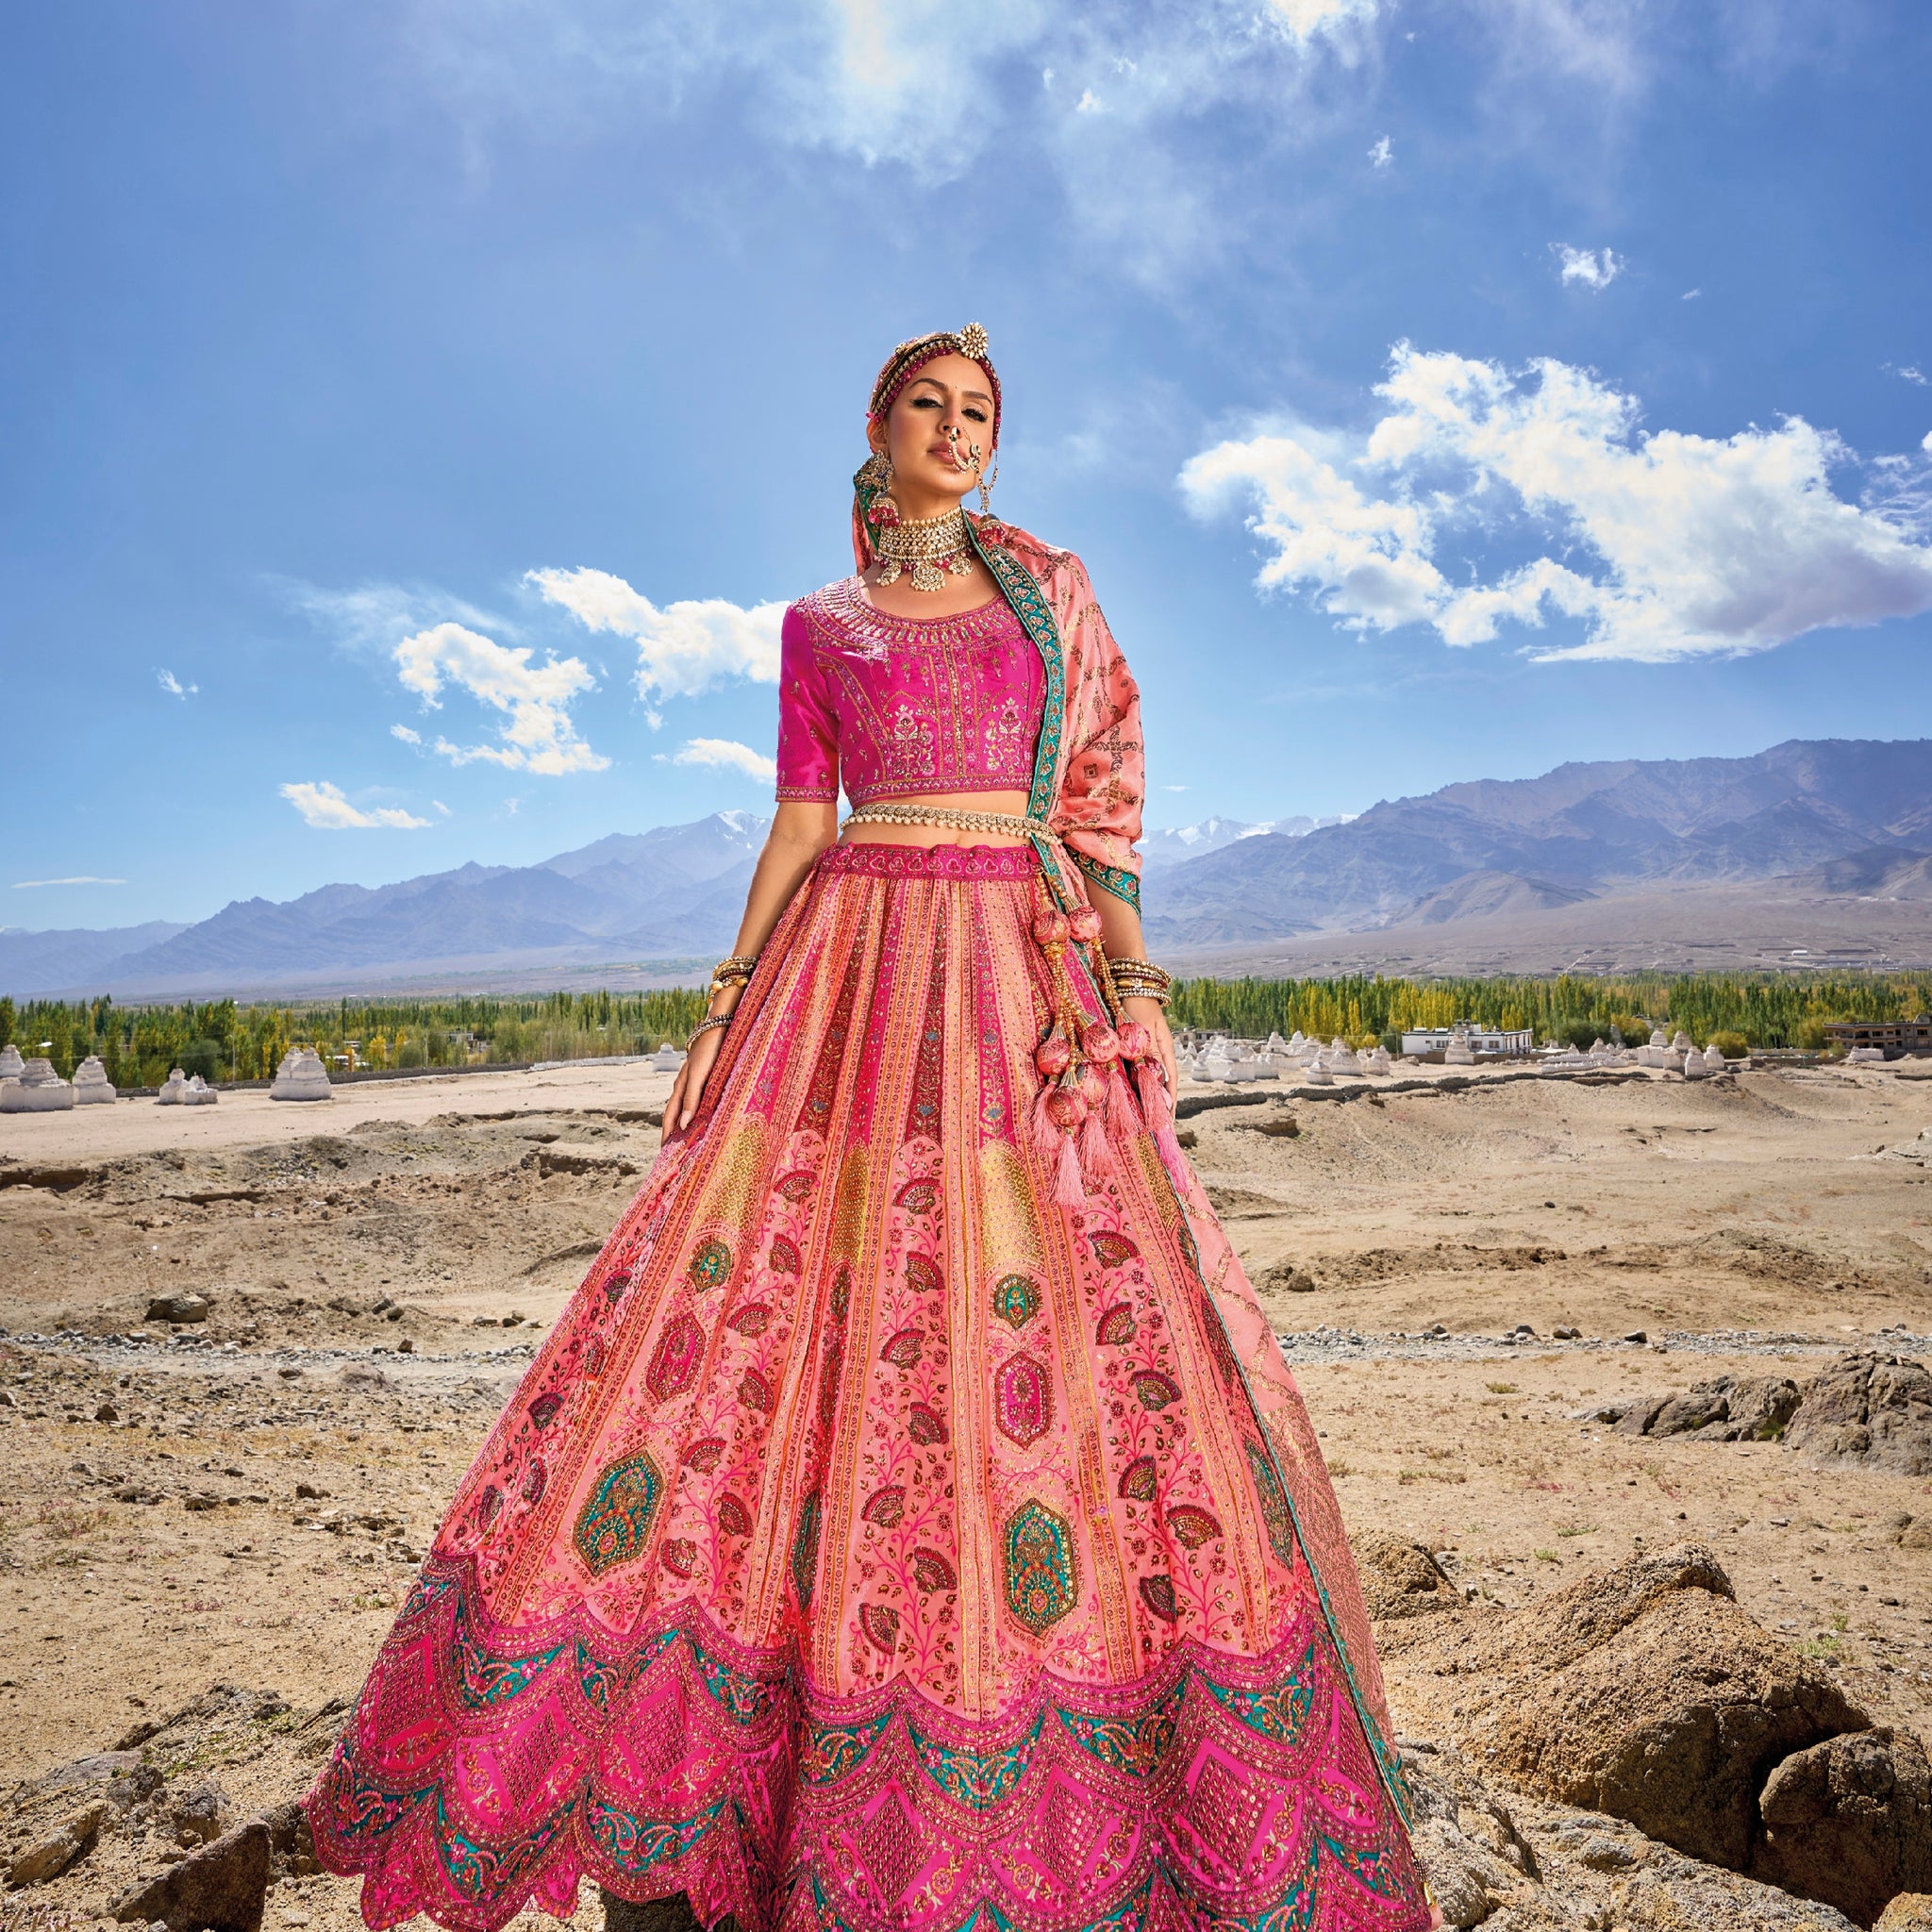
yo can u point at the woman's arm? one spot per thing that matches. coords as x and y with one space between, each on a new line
1119 933
801 830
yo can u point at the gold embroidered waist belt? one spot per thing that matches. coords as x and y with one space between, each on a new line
1010 825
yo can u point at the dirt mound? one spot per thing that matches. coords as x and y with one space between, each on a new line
1872 1409
1401 1579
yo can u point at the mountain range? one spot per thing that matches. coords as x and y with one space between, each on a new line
1837 821
1863 807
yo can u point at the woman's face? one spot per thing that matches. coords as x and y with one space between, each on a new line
932 469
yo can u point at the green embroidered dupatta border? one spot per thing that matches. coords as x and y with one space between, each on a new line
1019 588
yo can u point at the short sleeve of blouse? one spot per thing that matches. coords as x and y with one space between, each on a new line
808 725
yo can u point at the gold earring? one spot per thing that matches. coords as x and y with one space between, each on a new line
877 476
987 479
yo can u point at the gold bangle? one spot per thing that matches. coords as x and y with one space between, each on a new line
713 1022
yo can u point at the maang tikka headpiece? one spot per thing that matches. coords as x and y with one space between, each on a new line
873 508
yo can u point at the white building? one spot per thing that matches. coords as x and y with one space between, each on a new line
1484 1042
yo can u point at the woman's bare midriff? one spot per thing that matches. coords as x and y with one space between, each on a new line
1011 804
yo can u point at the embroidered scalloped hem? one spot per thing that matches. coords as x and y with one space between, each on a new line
488 1768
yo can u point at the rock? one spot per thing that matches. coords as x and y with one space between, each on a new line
1671 1725
673 1914
1910 1911
176 1307
219 1888
1566 1334
48 1857
1916 1535
1636 1417
1849 1821
1642 1691
91 1087
362 1375
1289 1279
1869 1408
301 1076
1637 1334
1401 1579
292 1845
1730 1408
106 1412
197 1814
1469 1881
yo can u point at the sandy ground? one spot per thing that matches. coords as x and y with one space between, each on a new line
363 1257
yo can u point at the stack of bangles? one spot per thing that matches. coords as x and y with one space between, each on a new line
1140 979
736 971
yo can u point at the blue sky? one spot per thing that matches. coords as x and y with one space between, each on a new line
413 416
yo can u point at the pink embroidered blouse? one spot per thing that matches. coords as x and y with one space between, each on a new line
895 707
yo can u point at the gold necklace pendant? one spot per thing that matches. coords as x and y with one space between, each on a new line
933 548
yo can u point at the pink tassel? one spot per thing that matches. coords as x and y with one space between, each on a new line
1120 1106
1067 1191
1046 1137
1156 1104
1095 1157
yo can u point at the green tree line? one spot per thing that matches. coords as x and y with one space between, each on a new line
222 1041
1760 1009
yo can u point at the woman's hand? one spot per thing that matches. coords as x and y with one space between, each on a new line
1153 1016
688 1088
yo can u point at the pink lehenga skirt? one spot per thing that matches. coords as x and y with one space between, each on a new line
876 1545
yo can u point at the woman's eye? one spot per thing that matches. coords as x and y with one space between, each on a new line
977 415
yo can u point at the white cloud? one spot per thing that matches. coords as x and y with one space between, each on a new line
1089 102
726 752
403 732
1691 296
537 734
173 685
323 806
1908 373
441 806
1593 268
1382 154
683 649
79 879
1677 546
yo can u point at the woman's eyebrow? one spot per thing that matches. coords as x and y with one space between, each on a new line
975 395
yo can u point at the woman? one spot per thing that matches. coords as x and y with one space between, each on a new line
911 1515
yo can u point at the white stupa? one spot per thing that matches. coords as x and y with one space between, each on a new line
172 1089
198 1092
1713 1058
667 1060
91 1087
1458 1052
1316 1074
1694 1068
1377 1060
39 1089
301 1076
12 1065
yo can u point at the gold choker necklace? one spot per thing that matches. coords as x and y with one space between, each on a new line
931 545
